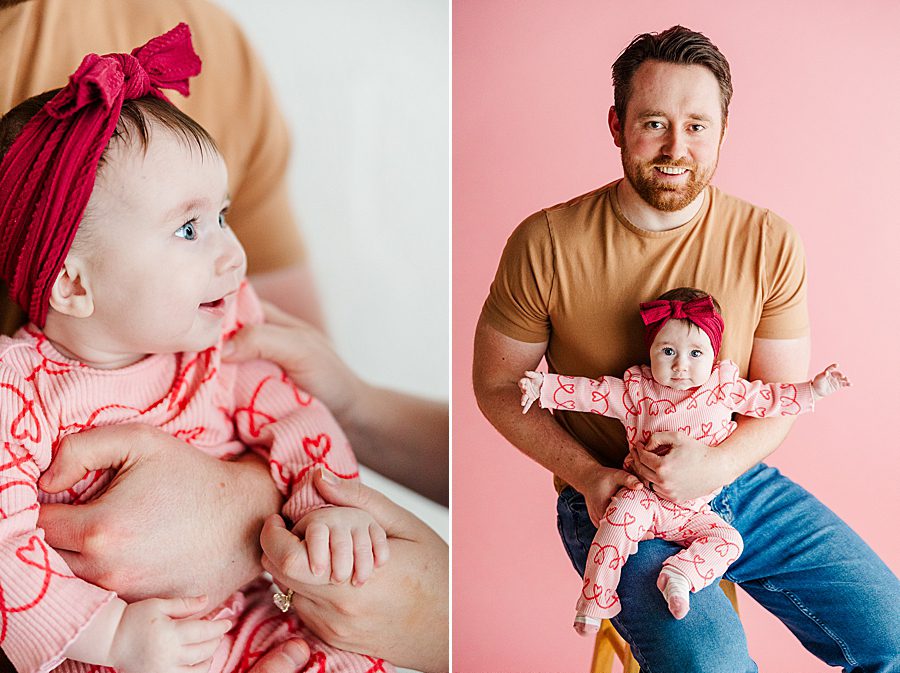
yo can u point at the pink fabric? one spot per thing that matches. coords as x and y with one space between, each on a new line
47 176
634 515
700 311
217 407
644 407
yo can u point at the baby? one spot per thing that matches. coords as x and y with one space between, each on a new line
114 241
684 389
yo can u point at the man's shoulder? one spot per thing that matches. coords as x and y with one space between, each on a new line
725 206
582 201
579 214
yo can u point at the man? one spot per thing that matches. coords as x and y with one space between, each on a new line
567 289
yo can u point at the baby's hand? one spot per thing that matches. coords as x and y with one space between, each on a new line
343 542
530 385
158 635
829 381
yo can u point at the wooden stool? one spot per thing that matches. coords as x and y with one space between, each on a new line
610 644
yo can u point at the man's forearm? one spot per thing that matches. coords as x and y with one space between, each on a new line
405 438
535 434
253 483
752 442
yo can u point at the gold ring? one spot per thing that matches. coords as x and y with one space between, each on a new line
283 601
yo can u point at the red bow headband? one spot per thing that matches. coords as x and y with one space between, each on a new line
47 176
699 311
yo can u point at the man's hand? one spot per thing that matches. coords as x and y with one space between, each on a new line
401 613
600 485
173 521
304 353
679 467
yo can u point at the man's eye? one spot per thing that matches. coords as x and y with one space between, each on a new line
696 354
654 125
696 128
187 231
668 351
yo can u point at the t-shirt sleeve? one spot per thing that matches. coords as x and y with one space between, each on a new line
261 213
784 312
518 304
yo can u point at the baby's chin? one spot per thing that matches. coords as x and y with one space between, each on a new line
681 385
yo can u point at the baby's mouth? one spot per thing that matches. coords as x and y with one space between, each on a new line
213 304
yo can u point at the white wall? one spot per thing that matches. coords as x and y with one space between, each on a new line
365 87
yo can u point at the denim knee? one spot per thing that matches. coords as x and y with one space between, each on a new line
710 639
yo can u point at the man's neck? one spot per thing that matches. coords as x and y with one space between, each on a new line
644 216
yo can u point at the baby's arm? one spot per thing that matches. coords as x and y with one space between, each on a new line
44 606
760 400
606 396
299 435
150 636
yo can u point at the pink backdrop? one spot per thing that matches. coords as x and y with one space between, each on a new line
814 135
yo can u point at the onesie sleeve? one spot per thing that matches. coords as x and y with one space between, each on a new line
293 429
43 606
762 400
606 396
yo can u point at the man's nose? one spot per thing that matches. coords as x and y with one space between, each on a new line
675 143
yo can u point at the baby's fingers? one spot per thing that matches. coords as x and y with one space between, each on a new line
380 546
363 556
341 555
198 653
318 548
181 607
200 631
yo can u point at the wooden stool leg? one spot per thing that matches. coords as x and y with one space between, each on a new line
603 652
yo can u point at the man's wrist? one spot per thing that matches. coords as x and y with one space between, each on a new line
251 474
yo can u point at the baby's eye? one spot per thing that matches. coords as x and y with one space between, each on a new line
696 354
668 351
222 222
187 231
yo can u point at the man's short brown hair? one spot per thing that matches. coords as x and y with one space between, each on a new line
678 45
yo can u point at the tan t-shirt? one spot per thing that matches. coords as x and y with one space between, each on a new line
574 274
43 41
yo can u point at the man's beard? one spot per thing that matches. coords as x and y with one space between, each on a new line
659 194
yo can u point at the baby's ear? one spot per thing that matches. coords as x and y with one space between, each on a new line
71 293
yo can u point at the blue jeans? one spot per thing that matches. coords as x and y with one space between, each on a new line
800 561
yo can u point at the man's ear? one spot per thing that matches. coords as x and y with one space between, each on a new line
615 126
71 292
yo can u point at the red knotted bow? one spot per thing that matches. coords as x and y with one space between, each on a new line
47 176
699 311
